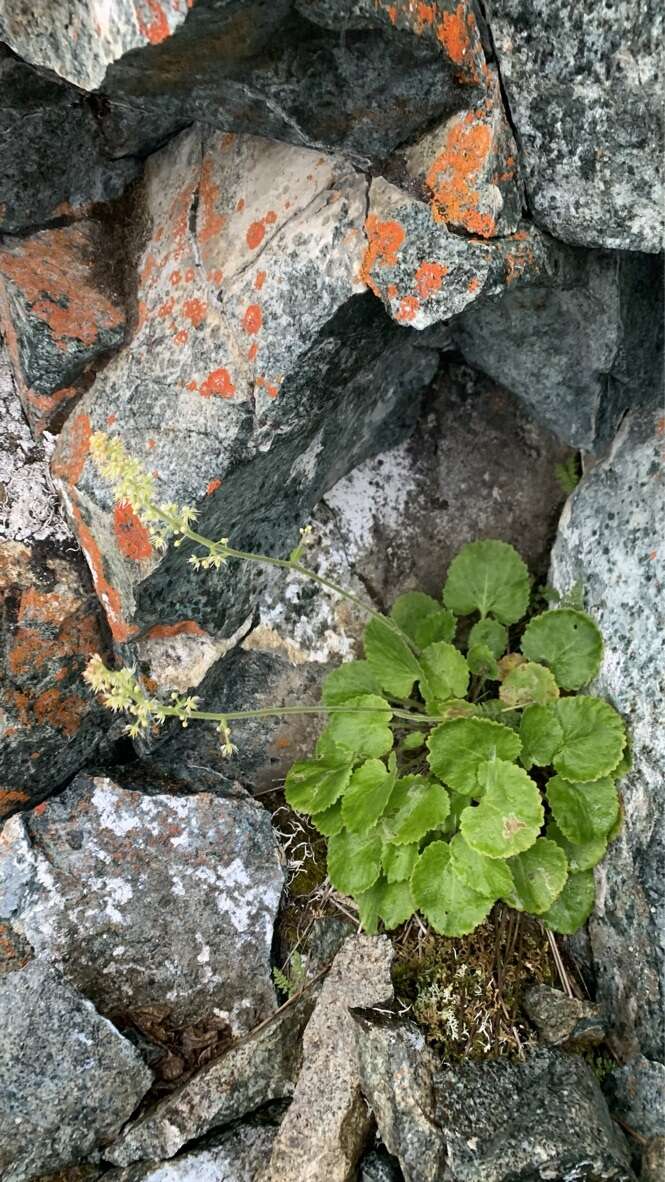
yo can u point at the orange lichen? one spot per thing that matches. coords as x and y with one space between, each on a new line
459 37
10 798
181 336
211 221
131 534
252 320
252 351
106 592
175 278
73 448
456 173
217 383
212 487
271 217
259 280
182 628
157 28
408 308
165 309
255 235
62 713
429 278
195 311
473 284
270 388
384 240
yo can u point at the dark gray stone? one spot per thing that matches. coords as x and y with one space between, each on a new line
544 1119
584 85
162 903
379 1166
637 1095
68 1079
579 348
562 1020
610 540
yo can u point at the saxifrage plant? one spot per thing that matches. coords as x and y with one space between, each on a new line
460 765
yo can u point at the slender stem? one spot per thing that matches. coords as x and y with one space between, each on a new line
269 711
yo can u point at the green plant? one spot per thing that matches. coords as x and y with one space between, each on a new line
568 474
292 979
452 773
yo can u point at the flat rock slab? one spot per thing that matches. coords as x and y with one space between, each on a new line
68 1079
238 1156
611 541
149 902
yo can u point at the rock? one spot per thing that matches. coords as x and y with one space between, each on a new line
327 1125
257 375
476 465
424 273
578 347
562 1020
396 1074
185 937
637 1095
237 1156
544 1119
50 723
584 92
81 41
653 1161
68 1079
55 162
379 1166
263 1067
610 539
61 312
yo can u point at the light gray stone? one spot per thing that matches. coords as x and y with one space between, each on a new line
149 901
584 85
611 540
261 1068
327 1125
237 1156
68 1079
562 1020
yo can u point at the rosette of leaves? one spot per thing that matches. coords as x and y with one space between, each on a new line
453 774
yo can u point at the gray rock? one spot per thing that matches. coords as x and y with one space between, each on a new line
262 1068
584 87
147 902
561 1020
327 1126
396 1075
68 1079
610 539
653 1161
542 1119
237 1156
257 375
637 1095
54 160
578 349
379 1166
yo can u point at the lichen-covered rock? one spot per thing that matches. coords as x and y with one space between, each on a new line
562 1020
238 1156
637 1095
149 900
257 375
68 1079
425 273
379 1166
396 1073
78 41
327 1124
54 159
544 1119
579 347
585 88
653 1160
260 1069
50 722
60 312
611 540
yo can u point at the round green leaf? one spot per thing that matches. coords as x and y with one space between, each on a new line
398 861
449 905
593 738
573 906
539 875
367 795
354 861
391 902
349 680
459 747
414 740
445 674
541 734
488 577
488 876
569 642
482 662
491 633
529 684
329 822
509 816
584 812
366 732
313 785
422 619
580 857
423 806
390 658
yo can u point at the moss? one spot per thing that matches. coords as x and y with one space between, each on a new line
466 993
